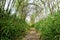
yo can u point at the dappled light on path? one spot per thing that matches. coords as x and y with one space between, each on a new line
32 35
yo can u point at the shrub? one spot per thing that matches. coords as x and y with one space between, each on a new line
49 27
11 28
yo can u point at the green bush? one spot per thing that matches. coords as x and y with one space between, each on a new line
49 27
11 28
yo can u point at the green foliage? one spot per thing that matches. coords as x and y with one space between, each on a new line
11 28
49 27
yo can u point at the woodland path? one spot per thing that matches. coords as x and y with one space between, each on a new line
32 35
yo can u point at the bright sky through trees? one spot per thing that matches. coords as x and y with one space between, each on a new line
40 8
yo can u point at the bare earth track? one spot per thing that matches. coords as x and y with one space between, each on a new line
32 35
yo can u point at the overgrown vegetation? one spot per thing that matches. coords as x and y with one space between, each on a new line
49 27
11 28
14 28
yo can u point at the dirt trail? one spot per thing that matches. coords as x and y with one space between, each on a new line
32 35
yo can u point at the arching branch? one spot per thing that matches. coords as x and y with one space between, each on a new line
30 4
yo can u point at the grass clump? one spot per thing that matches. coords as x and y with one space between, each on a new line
11 28
49 27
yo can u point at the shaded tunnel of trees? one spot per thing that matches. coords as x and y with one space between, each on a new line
18 16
